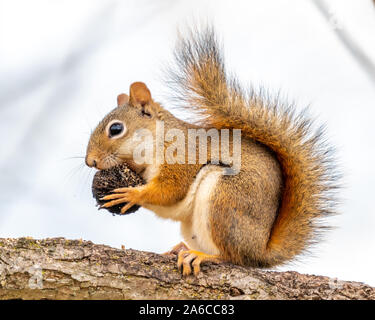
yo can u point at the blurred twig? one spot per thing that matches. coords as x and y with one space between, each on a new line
354 49
41 135
20 169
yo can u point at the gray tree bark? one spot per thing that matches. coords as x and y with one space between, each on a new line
74 269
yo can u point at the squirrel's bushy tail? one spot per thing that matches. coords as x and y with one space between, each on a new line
310 179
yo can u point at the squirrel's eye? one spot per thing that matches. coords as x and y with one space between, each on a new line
115 129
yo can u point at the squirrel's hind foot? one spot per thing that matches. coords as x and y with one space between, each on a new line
176 249
193 258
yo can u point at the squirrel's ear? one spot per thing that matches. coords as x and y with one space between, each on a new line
122 99
139 94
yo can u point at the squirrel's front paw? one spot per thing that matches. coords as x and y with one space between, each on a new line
129 195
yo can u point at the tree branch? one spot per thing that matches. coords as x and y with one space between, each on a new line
74 269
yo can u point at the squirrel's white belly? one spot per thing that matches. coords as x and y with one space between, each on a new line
193 211
197 232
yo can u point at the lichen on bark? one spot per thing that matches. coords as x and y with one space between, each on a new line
57 268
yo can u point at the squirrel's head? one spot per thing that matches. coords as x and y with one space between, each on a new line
114 139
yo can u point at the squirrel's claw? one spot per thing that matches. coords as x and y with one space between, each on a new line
112 196
125 190
184 261
122 195
126 207
176 249
114 202
193 258
118 201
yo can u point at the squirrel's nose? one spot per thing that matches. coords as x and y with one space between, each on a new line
90 162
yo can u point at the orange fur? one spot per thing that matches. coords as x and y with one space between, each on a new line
139 94
268 213
309 176
122 99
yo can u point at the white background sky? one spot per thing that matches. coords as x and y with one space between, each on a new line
62 64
